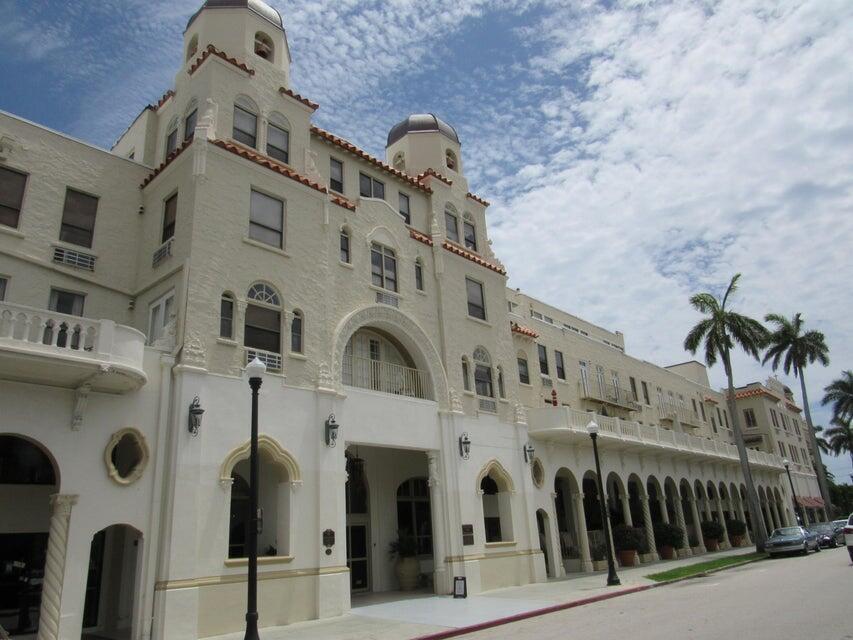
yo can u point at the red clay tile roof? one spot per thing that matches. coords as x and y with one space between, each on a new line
809 501
308 103
460 251
341 201
435 174
213 51
476 198
793 407
163 99
522 330
349 146
420 237
711 400
165 163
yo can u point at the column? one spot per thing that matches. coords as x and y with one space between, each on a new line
626 509
54 566
557 545
697 525
664 513
768 520
583 538
681 523
441 583
650 531
742 517
777 519
726 543
706 507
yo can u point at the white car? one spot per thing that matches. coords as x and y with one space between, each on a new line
848 536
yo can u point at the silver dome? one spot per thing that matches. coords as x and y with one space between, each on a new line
257 6
420 122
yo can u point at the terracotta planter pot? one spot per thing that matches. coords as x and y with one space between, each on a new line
627 558
666 552
599 565
408 571
712 544
737 541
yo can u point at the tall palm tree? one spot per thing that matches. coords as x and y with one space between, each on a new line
840 394
822 443
792 348
719 332
840 437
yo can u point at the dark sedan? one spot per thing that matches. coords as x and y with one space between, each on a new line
792 539
828 535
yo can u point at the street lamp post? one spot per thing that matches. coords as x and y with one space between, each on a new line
612 578
793 493
254 370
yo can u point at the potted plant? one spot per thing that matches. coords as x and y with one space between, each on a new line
407 568
737 531
627 541
599 556
668 537
712 532
693 542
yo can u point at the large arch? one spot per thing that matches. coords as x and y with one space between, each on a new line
574 544
270 446
498 471
404 329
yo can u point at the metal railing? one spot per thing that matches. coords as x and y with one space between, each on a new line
682 414
386 377
271 359
162 252
72 258
608 393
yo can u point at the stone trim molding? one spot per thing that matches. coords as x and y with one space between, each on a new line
144 454
207 581
500 471
269 445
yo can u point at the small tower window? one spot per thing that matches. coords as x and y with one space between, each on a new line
192 48
450 160
263 46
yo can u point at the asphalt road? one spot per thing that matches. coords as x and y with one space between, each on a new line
790 597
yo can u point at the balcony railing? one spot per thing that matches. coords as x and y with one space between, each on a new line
271 359
555 423
386 377
682 414
608 394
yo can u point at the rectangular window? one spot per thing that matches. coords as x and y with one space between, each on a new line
470 236
345 247
262 329
404 208
782 449
296 333
523 372
278 143
726 417
383 267
66 302
419 276
773 418
559 365
3 282
12 186
78 218
466 380
170 213
171 142
266 220
702 409
370 187
226 317
749 416
245 127
483 381
476 299
336 175
714 424
584 377
645 393
695 408
784 421
633 384
159 315
719 417
543 359
451 226
189 125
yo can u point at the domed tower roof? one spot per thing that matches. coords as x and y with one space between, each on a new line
257 6
421 122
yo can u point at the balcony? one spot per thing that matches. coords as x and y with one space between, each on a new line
45 347
609 394
686 417
568 426
385 377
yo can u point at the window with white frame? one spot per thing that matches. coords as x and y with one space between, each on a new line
171 138
345 246
226 316
262 327
470 233
78 218
12 185
405 209
370 187
67 302
336 175
383 266
189 124
559 365
451 224
278 142
170 214
483 373
266 219
476 299
297 326
245 125
584 376
543 359
160 315
523 370
419 275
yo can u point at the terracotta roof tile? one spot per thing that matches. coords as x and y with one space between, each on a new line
793 407
477 198
434 174
420 237
460 251
163 100
308 103
349 146
165 163
342 202
522 330
213 51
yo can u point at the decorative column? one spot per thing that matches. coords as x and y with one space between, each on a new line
697 525
559 565
766 511
441 583
742 517
774 509
54 566
664 513
583 537
727 543
681 523
650 531
706 508
626 509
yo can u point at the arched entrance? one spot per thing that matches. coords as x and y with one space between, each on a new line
28 477
111 586
358 524
543 525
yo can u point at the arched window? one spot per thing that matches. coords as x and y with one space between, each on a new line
226 316
399 162
497 512
483 373
171 137
419 274
450 160
451 223
523 370
466 374
278 137
190 120
345 246
413 513
264 47
245 122
296 329
192 47
262 328
469 232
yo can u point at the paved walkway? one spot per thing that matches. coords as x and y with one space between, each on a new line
397 616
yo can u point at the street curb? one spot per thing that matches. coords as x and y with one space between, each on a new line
497 622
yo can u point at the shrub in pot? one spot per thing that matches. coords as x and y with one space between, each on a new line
628 541
737 531
712 532
668 537
407 568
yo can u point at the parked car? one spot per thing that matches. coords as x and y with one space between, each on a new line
793 539
848 536
828 536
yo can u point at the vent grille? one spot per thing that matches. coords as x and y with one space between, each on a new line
162 252
387 298
488 405
75 259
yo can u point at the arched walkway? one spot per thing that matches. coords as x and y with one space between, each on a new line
571 522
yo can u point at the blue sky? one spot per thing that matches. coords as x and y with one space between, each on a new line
642 150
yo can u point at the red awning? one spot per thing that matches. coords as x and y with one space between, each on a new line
809 501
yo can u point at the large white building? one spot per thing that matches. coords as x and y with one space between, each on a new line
136 283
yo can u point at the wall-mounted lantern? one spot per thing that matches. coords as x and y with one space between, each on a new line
528 452
465 446
332 428
196 412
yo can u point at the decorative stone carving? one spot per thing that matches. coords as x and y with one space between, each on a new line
8 146
81 399
325 381
142 453
455 401
432 462
311 170
166 342
194 352
207 122
54 566
520 415
279 455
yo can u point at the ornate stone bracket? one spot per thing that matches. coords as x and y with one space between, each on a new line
81 399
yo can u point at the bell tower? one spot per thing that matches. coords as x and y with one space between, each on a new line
425 141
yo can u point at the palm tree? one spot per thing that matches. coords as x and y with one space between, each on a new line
822 444
840 437
720 332
840 393
792 348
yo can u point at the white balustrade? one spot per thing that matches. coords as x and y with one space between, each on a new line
386 377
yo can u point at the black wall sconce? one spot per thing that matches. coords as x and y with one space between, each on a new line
465 446
528 452
196 412
332 428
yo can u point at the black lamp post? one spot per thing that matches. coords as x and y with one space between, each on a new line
612 578
254 370
793 493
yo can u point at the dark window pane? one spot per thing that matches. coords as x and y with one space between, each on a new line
451 226
543 360
378 189
78 218
171 142
189 124
344 248
278 143
419 277
267 219
263 327
523 373
558 362
404 208
245 126
470 236
12 186
483 381
296 334
226 317
336 175
364 186
476 303
170 212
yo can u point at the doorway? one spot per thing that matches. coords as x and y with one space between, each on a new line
358 525
542 523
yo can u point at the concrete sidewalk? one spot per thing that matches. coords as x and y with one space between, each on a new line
397 616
